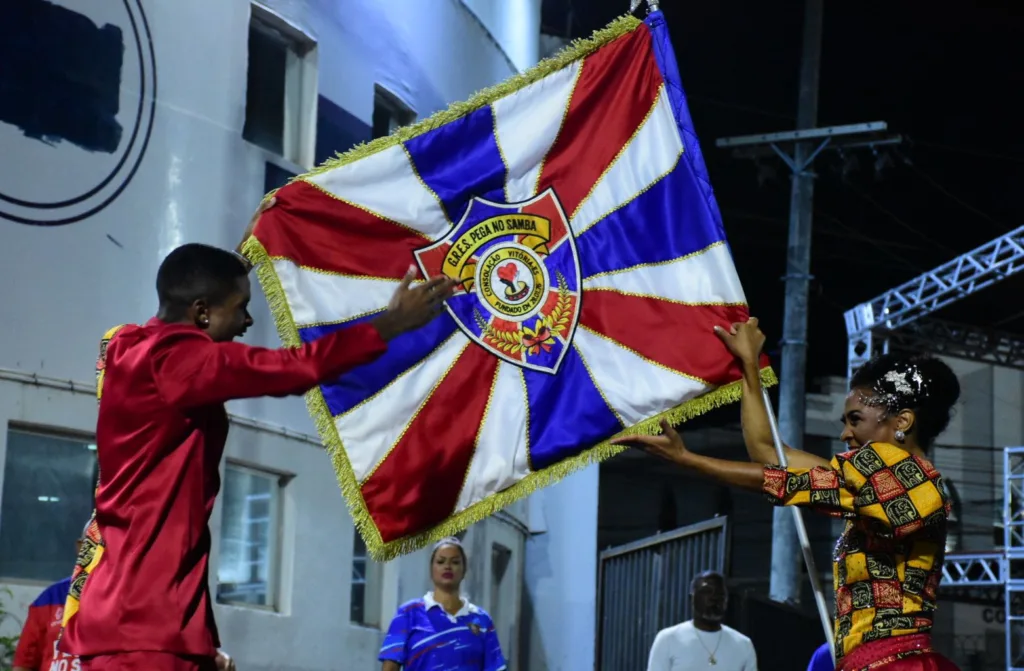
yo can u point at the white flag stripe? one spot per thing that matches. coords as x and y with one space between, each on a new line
386 184
500 459
650 155
324 298
708 276
526 125
634 387
369 433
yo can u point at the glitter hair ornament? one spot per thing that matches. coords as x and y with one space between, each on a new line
903 387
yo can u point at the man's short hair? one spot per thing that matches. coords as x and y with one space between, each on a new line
706 576
193 272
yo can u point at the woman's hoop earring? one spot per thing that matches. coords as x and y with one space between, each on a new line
899 436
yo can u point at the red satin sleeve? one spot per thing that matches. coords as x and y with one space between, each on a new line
190 370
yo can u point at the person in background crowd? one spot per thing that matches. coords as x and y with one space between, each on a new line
145 604
703 642
821 660
442 630
888 562
37 646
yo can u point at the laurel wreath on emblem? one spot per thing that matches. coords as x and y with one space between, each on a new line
532 339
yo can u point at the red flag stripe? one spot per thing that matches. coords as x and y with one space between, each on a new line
548 209
616 89
337 236
638 323
419 482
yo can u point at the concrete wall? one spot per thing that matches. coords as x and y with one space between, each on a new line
83 258
561 576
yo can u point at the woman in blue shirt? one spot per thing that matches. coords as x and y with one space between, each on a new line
442 631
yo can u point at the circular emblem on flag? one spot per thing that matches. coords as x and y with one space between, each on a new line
520 278
513 281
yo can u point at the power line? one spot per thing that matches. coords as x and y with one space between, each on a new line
949 194
982 153
740 107
881 208
881 246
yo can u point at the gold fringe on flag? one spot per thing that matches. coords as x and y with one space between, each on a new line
318 410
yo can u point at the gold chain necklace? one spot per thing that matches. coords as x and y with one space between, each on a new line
711 654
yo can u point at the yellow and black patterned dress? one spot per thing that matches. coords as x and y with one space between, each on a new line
92 545
888 561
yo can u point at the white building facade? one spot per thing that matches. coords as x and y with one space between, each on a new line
131 127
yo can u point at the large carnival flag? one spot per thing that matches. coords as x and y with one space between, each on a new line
573 203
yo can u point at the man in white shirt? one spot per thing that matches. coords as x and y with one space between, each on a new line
703 642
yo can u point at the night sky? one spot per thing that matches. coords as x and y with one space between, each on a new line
944 75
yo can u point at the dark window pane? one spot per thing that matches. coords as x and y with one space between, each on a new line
358 592
47 499
358 601
264 95
247 537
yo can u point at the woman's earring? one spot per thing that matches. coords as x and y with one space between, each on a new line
900 436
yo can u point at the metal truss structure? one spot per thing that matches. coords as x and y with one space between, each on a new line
897 317
1013 548
997 578
1000 348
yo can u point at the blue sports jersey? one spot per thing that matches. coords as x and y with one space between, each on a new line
423 637
822 660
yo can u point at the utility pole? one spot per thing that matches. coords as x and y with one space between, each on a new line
785 576
806 143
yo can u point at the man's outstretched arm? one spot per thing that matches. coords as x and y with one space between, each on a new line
191 370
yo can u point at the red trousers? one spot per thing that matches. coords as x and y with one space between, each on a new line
147 661
900 653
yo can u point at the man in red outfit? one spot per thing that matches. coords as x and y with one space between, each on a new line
146 604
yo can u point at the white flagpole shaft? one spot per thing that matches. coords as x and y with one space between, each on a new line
652 5
801 532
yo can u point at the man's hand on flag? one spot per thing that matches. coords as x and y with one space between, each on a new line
669 445
264 206
743 339
412 307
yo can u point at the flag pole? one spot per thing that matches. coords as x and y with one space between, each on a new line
801 532
652 5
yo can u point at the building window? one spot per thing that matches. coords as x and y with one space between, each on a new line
247 570
280 98
389 113
49 481
364 607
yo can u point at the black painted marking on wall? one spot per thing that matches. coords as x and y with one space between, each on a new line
60 75
139 119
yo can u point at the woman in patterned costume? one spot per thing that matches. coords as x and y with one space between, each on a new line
888 561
